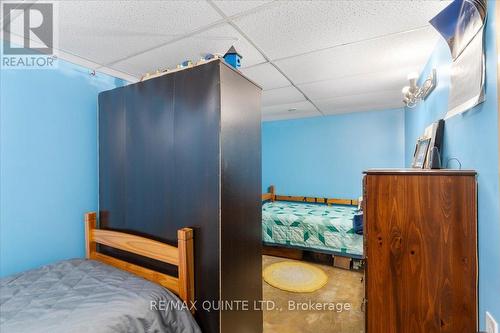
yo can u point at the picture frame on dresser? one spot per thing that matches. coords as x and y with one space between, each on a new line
420 155
435 132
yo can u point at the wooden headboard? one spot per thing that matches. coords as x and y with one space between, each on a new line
181 256
272 196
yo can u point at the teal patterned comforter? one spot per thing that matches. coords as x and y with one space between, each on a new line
311 226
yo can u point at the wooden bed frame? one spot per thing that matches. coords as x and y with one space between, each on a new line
295 253
272 196
181 256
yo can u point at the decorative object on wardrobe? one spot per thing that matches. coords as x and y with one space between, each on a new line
413 94
188 63
183 149
233 58
421 251
185 64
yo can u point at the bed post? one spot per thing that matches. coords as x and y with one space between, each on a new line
90 221
272 191
186 265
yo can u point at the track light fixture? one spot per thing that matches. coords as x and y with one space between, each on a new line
413 94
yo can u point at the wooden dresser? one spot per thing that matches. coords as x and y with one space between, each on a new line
421 251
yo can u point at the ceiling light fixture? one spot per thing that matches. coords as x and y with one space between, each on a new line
413 94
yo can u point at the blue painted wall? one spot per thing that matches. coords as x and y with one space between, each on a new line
473 139
48 162
325 156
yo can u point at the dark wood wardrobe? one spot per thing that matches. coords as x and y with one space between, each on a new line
184 150
421 251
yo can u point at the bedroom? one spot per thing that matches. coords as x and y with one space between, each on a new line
229 166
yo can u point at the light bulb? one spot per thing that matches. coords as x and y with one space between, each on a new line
413 76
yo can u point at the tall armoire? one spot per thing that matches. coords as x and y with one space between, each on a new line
184 150
421 251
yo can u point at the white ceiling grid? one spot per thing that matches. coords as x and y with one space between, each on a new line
312 57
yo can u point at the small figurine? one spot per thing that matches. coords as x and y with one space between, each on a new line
208 56
233 58
185 64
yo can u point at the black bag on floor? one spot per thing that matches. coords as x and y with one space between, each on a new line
357 223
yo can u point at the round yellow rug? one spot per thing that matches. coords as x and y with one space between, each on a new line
295 276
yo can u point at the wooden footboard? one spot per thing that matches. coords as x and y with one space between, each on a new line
181 256
272 196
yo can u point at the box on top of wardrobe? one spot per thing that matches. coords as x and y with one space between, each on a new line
190 67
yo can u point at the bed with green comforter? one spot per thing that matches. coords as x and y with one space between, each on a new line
312 227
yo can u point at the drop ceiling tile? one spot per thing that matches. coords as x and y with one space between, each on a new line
281 96
287 116
267 76
297 107
386 54
365 108
233 7
363 102
295 27
280 112
216 40
358 84
104 31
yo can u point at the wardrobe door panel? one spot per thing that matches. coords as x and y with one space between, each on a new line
149 168
112 158
197 177
241 225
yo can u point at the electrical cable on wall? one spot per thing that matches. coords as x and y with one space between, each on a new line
454 159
